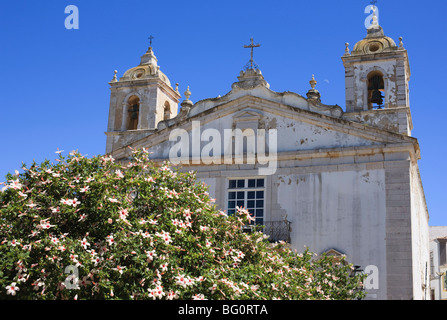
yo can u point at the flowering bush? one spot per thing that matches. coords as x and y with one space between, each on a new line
92 228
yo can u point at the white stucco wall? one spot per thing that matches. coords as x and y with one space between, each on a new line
420 239
341 210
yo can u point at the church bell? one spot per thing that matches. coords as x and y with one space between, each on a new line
134 112
377 97
376 83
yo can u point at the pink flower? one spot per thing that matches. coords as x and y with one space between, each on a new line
84 189
12 289
123 213
84 281
165 236
22 277
84 243
77 179
15 184
71 202
172 295
31 205
55 210
156 292
23 195
96 260
110 239
45 224
119 269
107 159
173 194
119 174
33 233
184 281
76 202
164 267
213 288
150 255
187 214
149 179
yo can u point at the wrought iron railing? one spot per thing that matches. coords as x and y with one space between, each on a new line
276 230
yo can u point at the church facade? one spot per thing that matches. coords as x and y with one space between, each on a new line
339 181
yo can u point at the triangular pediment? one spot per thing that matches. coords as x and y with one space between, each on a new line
297 130
288 98
247 115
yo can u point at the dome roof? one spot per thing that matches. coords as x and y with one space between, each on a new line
147 69
144 72
374 42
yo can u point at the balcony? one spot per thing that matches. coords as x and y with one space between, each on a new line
276 230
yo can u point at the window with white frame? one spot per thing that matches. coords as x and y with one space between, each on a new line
248 193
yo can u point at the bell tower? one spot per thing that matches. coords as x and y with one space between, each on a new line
377 74
139 100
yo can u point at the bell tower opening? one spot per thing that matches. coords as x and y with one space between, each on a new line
376 88
133 109
166 111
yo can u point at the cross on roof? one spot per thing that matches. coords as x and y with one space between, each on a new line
251 63
150 40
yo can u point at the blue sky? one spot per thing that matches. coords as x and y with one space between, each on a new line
54 82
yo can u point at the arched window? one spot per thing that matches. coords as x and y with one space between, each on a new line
376 88
133 109
167 111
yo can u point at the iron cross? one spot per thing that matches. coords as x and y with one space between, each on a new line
150 40
251 46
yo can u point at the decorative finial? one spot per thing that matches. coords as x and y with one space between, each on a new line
176 87
187 93
401 44
313 94
347 53
251 64
114 76
186 104
313 82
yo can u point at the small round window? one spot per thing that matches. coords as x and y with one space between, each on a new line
138 74
374 47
